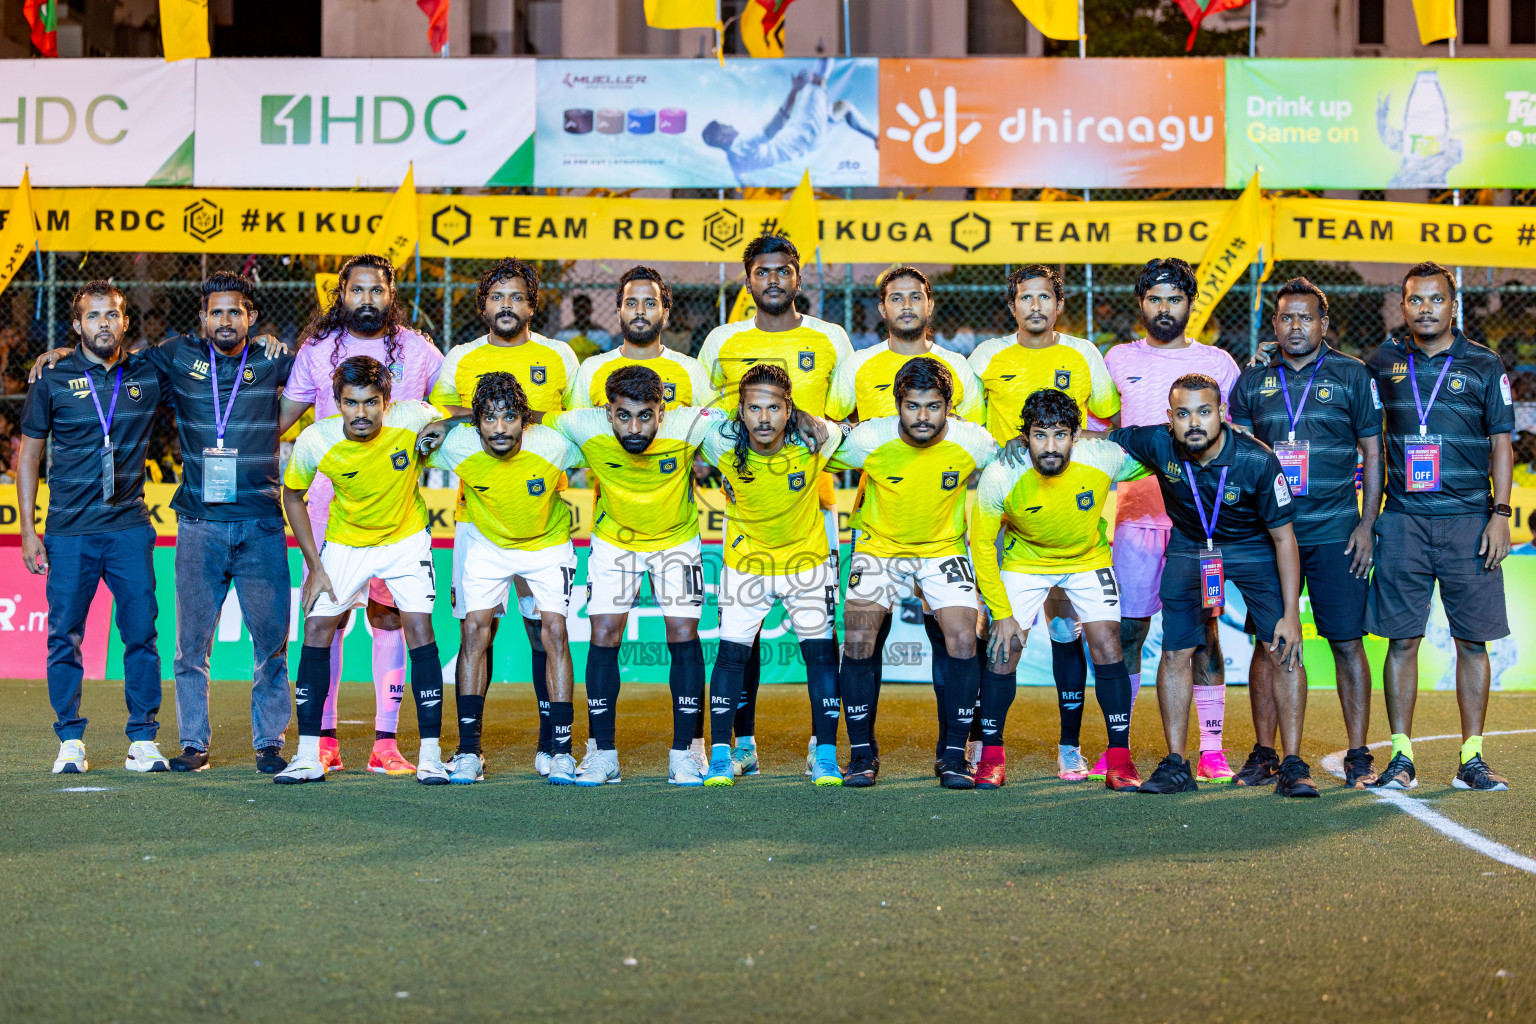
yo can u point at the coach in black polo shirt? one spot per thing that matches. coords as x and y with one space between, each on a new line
1315 407
98 405
1449 413
1236 526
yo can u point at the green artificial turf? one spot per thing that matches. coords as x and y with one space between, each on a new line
220 896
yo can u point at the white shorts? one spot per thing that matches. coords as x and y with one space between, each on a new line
947 582
677 579
809 596
405 567
488 570
462 532
376 591
1095 594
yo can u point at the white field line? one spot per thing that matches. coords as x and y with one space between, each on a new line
1434 819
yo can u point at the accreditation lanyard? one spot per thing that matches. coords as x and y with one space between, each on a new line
108 483
1212 578
219 477
1293 454
1421 455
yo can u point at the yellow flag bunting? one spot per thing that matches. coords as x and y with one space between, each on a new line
394 239
184 28
1056 19
18 239
1237 240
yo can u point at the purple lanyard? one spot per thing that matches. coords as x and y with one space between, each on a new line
1295 414
1420 406
1194 489
105 421
221 420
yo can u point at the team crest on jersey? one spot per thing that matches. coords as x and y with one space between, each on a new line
400 460
1325 392
669 465
1457 383
853 579
1085 500
536 487
796 481
1063 380
807 361
249 375
1230 495
951 479
134 391
537 374
669 391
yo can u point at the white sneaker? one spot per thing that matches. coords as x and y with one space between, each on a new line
810 756
541 762
602 768
586 759
466 769
431 772
562 770
683 769
71 759
303 768
144 756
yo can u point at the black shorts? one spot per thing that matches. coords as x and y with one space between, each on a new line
1412 553
1252 568
1336 595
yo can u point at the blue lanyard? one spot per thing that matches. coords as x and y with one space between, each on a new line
221 419
1194 489
1295 414
105 421
1420 406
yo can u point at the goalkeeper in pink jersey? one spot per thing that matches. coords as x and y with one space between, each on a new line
363 320
1143 371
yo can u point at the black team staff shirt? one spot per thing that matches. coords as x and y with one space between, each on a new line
1339 408
1255 498
252 427
60 403
1474 403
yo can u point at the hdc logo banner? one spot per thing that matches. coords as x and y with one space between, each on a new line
1064 123
96 122
359 123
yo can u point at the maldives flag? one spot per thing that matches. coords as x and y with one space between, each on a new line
437 22
43 16
1196 10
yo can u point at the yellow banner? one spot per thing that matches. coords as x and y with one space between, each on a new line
709 230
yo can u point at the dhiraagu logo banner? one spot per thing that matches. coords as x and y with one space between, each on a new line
1382 123
96 122
360 123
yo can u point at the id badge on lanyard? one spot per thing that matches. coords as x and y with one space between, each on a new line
108 466
1212 579
1421 463
1293 463
220 481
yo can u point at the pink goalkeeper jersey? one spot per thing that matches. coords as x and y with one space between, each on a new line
1143 375
412 373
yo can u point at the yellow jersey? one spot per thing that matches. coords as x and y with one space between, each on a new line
684 381
914 498
773 523
377 501
810 353
1010 373
515 501
546 369
644 502
1055 524
864 383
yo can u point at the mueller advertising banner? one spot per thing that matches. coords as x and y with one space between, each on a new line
96 122
1382 123
695 124
1017 122
359 123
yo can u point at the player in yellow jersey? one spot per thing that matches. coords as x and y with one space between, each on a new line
377 530
518 526
912 536
1051 516
1012 368
809 350
645 306
774 553
507 297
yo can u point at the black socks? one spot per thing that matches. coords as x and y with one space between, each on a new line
427 684
1112 687
962 683
602 694
539 668
1070 667
311 686
856 682
752 676
471 708
940 660
561 715
821 682
997 693
725 690
687 681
